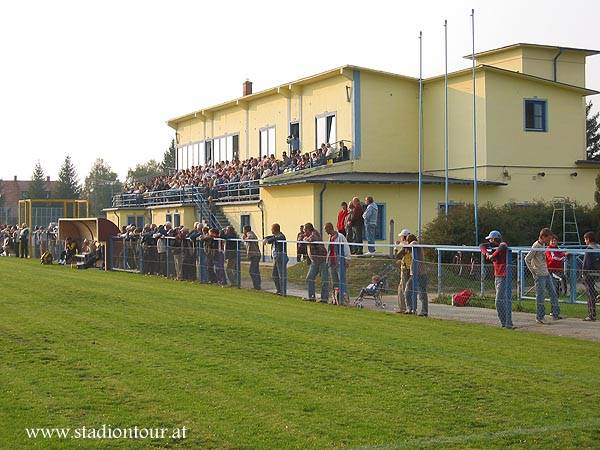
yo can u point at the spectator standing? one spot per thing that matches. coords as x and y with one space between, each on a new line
403 260
357 223
497 252
536 263
301 248
231 252
341 219
416 285
280 259
253 254
348 225
370 218
318 266
24 241
161 250
555 260
591 272
337 254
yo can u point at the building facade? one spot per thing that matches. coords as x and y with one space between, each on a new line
530 105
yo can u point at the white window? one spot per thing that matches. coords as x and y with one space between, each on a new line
201 154
216 150
326 129
229 147
267 141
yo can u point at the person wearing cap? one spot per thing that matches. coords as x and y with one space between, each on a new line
496 252
403 260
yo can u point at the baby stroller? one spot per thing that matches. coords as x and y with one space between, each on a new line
375 289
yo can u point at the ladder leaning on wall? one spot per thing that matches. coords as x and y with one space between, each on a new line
564 213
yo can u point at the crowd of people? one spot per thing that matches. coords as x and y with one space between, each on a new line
173 252
214 177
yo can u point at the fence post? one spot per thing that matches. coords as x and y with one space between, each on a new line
238 264
124 252
284 263
341 260
439 272
509 273
107 256
573 279
167 257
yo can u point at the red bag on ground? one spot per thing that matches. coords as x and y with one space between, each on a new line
462 298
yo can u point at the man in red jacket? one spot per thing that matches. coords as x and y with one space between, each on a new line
341 220
496 252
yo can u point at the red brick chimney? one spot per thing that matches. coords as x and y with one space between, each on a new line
15 178
247 88
47 178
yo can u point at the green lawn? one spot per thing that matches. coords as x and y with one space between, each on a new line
243 369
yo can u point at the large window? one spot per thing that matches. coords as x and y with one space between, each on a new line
226 148
326 129
267 141
138 221
536 115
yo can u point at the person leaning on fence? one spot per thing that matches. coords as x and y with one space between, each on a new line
161 250
497 252
403 261
253 254
416 285
555 260
338 253
591 273
149 254
536 263
318 266
231 252
280 259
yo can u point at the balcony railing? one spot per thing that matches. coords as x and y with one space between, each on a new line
225 192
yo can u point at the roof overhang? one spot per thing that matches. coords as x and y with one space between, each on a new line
585 51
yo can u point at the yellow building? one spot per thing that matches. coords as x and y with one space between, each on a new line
530 102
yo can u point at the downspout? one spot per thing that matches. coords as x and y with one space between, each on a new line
555 62
262 223
321 206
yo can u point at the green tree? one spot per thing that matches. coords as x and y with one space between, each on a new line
168 163
100 185
144 172
37 186
592 131
67 185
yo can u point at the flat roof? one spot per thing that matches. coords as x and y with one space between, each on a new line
370 178
588 52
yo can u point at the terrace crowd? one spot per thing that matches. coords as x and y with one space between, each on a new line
218 174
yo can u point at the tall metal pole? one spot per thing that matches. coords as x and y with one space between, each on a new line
419 212
475 197
446 117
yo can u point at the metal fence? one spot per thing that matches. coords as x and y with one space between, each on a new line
443 270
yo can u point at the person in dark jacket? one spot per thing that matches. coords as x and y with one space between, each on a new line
591 272
232 247
358 226
280 259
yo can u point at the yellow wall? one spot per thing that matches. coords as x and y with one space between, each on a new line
508 143
234 211
460 125
119 216
510 59
187 214
389 123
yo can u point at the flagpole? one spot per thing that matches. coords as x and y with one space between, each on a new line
420 195
446 117
475 196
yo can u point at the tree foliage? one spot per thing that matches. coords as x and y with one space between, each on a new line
168 163
144 172
100 185
37 186
592 128
67 185
519 224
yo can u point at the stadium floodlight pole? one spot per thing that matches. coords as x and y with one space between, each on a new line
420 194
475 199
446 117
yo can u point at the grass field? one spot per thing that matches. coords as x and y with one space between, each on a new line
244 369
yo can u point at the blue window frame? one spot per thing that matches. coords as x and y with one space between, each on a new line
380 232
536 112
